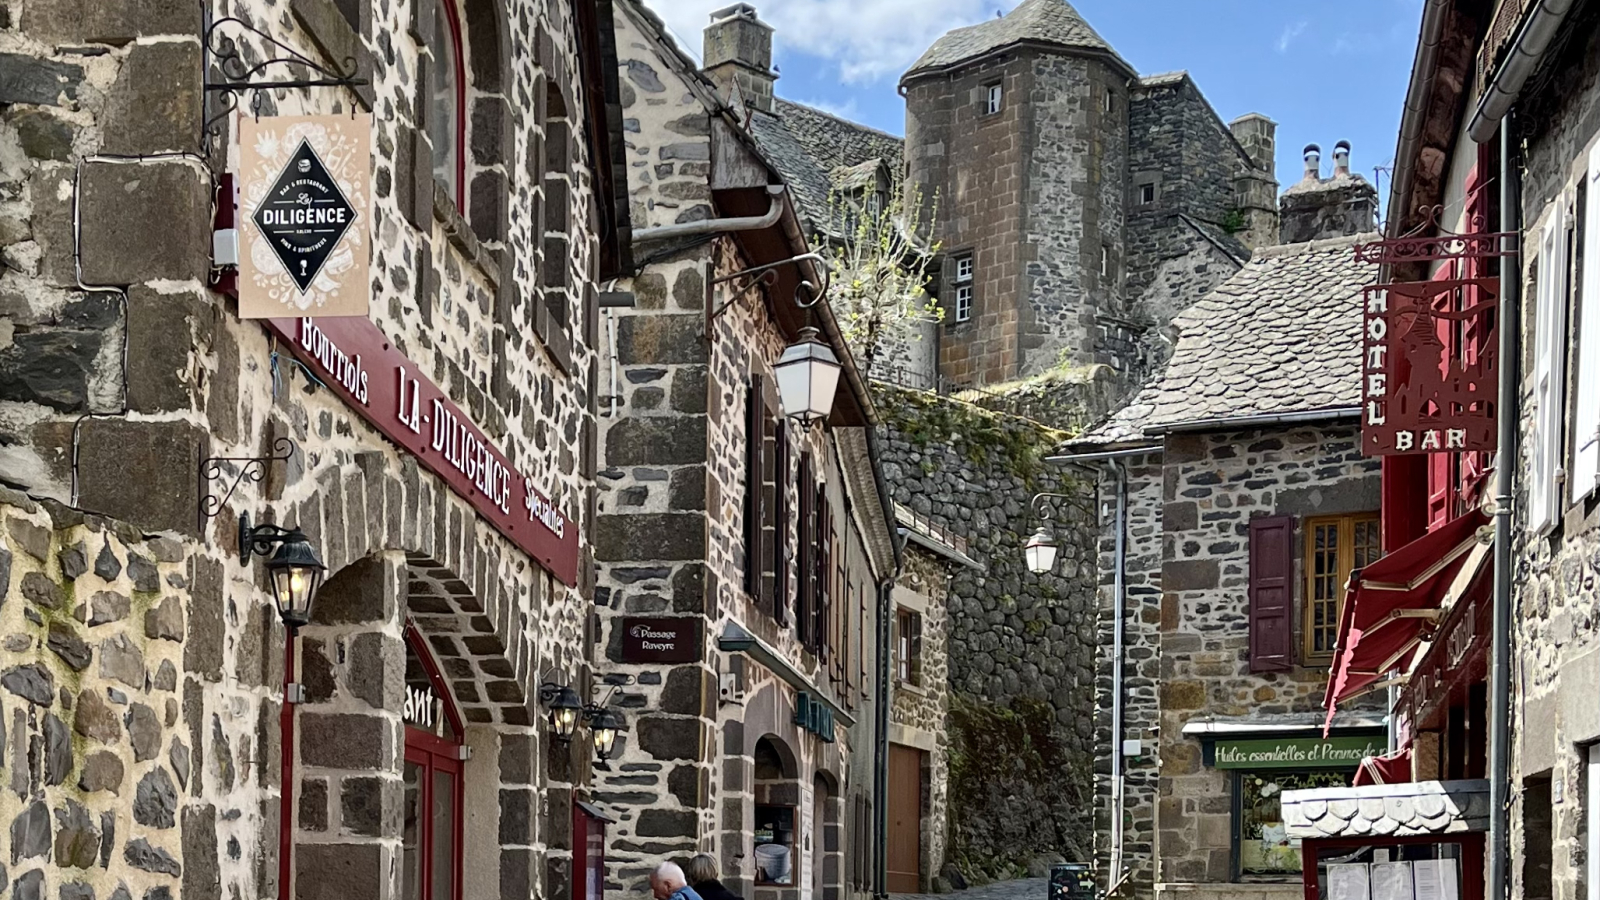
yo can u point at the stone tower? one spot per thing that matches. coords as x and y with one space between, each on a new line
737 54
1079 206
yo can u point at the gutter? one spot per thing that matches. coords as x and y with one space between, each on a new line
1538 28
1331 414
1418 94
880 746
1102 455
1118 871
770 218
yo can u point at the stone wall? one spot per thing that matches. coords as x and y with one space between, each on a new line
1213 485
1555 654
1021 646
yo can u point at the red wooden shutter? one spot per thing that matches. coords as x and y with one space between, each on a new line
753 482
1271 593
819 615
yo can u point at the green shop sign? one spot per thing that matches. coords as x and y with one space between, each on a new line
1297 753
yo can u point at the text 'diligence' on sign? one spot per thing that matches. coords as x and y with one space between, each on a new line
662 639
383 386
1429 366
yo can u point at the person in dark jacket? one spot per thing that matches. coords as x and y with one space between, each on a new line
702 874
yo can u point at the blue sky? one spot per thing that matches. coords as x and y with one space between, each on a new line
1323 71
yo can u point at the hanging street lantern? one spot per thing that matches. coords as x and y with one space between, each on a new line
565 708
604 727
293 570
1041 549
808 376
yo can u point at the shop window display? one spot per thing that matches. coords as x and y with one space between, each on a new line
775 845
1264 846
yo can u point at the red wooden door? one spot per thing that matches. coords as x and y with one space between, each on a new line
905 819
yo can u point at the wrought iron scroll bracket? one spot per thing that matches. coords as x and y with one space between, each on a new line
1430 240
768 275
230 71
215 469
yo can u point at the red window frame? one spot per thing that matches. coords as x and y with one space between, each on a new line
588 854
435 755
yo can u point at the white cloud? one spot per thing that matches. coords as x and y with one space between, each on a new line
865 39
1290 32
845 110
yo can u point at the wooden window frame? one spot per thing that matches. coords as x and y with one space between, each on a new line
434 754
908 647
994 98
452 19
1345 564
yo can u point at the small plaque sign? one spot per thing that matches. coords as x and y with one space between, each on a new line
669 639
304 200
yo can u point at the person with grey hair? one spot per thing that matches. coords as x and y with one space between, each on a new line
667 883
702 874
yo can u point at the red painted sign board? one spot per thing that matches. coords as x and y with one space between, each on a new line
355 361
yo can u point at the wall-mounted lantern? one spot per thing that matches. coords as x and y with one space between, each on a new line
293 570
1042 548
565 711
808 377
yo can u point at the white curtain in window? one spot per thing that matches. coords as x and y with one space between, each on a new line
1544 494
1585 469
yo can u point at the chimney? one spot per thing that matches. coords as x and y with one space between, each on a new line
1255 182
1313 157
1341 159
738 55
1313 209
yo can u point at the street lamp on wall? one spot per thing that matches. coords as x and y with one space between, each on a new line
1042 548
293 570
565 711
808 377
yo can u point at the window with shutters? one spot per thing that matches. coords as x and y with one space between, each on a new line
447 117
1584 471
823 582
908 647
1335 546
805 551
1271 593
1552 286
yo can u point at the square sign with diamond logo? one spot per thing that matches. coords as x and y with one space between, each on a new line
303 189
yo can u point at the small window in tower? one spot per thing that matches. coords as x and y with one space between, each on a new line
1105 261
994 98
964 303
1147 194
963 268
1110 101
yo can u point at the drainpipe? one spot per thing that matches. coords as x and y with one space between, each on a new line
1509 317
1119 597
880 786
718 226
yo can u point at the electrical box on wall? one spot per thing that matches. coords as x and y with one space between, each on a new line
1132 747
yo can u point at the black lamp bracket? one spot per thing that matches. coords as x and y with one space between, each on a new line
260 539
768 275
250 468
231 69
1042 509
548 691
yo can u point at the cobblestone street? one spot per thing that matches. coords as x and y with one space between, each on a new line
1018 889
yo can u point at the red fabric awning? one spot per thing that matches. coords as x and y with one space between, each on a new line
1394 768
1391 605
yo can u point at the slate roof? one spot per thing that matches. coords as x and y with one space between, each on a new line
1400 810
1036 21
806 145
1283 335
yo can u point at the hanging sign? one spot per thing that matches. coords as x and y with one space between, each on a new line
666 639
1296 753
305 208
355 360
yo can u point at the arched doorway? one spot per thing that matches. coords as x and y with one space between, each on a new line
431 834
777 815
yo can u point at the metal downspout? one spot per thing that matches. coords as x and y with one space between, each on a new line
1119 597
1509 318
880 787
718 226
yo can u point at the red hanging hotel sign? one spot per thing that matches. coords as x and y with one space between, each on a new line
1430 361
355 360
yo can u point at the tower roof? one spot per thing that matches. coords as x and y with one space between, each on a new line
1033 21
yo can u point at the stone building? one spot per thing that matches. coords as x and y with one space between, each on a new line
1235 502
1470 104
768 544
143 687
1079 204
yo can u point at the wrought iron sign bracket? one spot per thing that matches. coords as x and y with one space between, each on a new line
768 275
252 469
236 74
